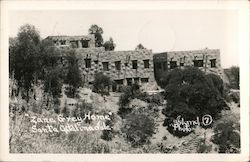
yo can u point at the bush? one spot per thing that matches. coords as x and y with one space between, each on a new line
108 135
191 94
129 93
101 84
227 137
139 128
203 147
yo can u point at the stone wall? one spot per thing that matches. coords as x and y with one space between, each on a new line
105 61
84 41
208 60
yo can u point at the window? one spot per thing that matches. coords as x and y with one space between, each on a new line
134 64
96 61
74 44
146 63
181 63
118 65
173 64
144 80
120 81
105 66
213 63
129 81
87 63
63 42
136 80
198 63
85 43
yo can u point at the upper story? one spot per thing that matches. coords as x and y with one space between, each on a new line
84 41
208 60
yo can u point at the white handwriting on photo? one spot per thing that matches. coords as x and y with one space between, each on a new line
69 124
185 126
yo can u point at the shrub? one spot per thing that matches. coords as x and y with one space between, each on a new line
108 135
101 84
129 93
190 93
139 128
203 147
227 137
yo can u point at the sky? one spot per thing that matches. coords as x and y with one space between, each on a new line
159 30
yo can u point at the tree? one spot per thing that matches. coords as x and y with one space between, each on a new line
73 77
109 45
101 84
97 31
139 47
23 57
190 93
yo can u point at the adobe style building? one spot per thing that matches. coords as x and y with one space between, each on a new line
134 66
207 60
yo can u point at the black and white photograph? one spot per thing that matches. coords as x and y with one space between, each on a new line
125 81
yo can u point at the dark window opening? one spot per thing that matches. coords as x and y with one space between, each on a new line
105 66
213 63
87 63
136 80
146 63
134 64
118 65
63 42
198 63
144 80
181 63
85 43
165 65
173 64
74 44
120 82
129 81
96 61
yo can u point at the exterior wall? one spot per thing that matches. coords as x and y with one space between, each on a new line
68 41
188 57
99 55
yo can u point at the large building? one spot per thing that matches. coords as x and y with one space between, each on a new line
134 66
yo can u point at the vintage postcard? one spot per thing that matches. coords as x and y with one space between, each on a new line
124 81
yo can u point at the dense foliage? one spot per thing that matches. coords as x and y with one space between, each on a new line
227 136
109 45
101 84
190 93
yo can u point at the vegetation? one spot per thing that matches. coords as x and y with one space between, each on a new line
227 136
190 93
97 31
138 128
109 45
73 78
139 47
233 74
101 84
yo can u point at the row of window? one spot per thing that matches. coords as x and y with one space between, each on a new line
173 64
117 64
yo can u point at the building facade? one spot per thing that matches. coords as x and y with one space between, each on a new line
85 41
207 60
134 66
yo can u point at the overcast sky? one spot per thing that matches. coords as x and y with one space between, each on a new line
159 30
